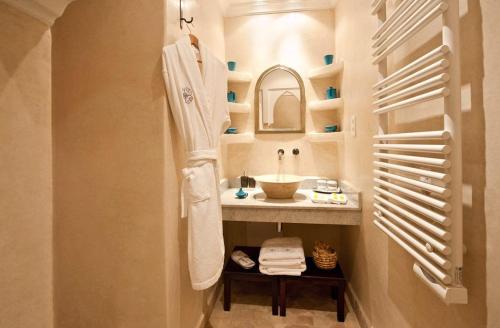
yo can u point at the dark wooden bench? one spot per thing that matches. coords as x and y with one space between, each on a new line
333 278
233 271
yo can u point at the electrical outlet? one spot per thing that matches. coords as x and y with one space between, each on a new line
353 125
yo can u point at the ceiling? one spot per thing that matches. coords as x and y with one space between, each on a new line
255 7
48 10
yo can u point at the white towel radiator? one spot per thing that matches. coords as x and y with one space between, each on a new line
418 175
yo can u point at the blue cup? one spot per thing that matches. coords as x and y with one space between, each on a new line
231 96
328 59
331 93
231 65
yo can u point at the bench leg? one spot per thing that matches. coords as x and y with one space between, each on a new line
283 297
275 291
227 293
334 292
340 303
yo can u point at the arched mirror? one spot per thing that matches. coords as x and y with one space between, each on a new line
279 101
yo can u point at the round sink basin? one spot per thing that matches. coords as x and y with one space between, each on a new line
279 186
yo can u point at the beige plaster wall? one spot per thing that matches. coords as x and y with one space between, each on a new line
186 308
298 40
380 272
491 98
109 162
25 172
120 244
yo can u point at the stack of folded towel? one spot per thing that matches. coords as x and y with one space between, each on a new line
282 256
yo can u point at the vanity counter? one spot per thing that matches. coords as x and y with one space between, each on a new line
257 208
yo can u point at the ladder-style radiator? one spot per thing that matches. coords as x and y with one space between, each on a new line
418 174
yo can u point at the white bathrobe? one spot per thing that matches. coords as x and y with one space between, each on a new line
199 106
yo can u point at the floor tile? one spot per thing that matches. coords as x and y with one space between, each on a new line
309 307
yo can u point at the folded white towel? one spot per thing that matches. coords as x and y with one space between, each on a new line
280 273
294 266
282 256
287 250
299 268
282 263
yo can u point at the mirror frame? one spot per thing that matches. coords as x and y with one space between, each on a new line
302 101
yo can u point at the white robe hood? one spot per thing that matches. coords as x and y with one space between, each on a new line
199 106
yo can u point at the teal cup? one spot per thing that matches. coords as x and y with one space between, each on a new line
328 59
231 96
331 93
231 65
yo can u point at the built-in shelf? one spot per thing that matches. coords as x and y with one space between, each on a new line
239 107
325 105
239 77
239 138
326 71
325 137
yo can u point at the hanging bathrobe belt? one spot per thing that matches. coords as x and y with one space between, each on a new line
202 156
195 159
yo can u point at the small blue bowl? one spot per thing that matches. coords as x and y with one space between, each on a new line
231 65
231 131
331 128
328 59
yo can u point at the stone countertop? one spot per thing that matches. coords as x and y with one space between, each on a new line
257 208
257 199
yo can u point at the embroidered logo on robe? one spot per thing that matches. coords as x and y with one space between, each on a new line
187 93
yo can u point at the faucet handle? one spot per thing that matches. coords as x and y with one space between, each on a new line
281 153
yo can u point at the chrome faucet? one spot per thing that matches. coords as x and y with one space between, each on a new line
281 153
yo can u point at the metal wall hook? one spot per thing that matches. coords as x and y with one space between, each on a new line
181 18
188 21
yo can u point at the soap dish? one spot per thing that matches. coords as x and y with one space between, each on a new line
329 190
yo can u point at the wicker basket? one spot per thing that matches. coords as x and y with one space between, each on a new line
324 256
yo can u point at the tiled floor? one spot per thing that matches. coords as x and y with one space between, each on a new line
307 307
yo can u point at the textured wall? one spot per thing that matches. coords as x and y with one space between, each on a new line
109 165
379 271
25 172
120 245
491 136
297 40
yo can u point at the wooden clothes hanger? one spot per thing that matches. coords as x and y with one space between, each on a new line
195 43
194 40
